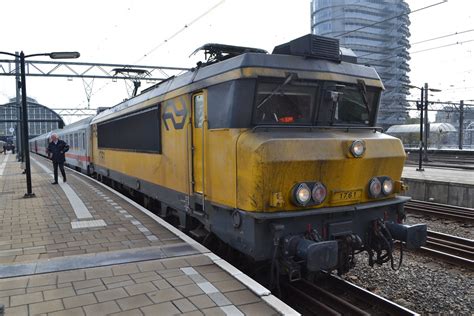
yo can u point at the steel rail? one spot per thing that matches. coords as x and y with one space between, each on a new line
445 160
442 210
327 297
378 301
449 248
443 165
439 205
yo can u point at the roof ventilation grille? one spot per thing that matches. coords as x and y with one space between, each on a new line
312 46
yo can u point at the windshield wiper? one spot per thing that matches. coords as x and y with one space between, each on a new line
268 97
363 91
335 93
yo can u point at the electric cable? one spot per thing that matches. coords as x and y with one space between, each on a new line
186 26
442 46
444 36
420 51
391 18
423 41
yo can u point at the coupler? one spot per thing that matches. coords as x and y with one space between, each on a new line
318 256
414 236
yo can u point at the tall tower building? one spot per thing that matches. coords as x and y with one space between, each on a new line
378 34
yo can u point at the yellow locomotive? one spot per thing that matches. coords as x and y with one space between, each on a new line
278 155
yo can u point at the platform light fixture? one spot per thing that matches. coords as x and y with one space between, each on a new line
24 106
64 55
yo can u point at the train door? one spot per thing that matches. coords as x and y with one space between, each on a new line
198 120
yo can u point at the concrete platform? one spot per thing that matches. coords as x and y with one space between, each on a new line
79 248
440 185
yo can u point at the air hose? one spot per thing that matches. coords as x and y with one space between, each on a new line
382 235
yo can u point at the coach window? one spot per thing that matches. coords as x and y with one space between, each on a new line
198 110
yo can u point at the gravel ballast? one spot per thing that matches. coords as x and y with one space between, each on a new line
423 284
443 225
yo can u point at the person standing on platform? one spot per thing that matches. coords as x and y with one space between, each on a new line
56 152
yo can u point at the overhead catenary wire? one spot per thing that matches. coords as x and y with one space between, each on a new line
420 42
443 36
443 46
394 17
391 18
459 88
112 29
185 27
420 51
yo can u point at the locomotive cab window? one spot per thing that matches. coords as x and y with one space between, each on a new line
283 103
349 104
198 101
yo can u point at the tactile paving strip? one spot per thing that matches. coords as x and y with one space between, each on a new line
88 224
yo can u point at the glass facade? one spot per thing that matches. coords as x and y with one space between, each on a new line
377 32
40 119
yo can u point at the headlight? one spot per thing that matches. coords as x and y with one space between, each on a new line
319 193
302 194
357 148
387 186
375 187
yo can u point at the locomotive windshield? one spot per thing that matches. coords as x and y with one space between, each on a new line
350 104
284 103
294 102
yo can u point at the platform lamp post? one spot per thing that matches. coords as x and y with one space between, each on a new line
419 106
425 157
24 107
423 107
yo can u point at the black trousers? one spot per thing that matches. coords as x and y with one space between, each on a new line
61 167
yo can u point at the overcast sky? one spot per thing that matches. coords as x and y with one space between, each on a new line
124 31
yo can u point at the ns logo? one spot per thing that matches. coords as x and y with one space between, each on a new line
175 112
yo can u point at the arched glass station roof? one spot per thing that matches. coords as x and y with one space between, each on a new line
40 119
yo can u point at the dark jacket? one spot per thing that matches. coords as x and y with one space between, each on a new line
56 151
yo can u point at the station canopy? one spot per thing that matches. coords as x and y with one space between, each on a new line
415 128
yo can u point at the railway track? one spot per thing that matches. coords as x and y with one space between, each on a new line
443 165
462 160
441 210
335 296
453 249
